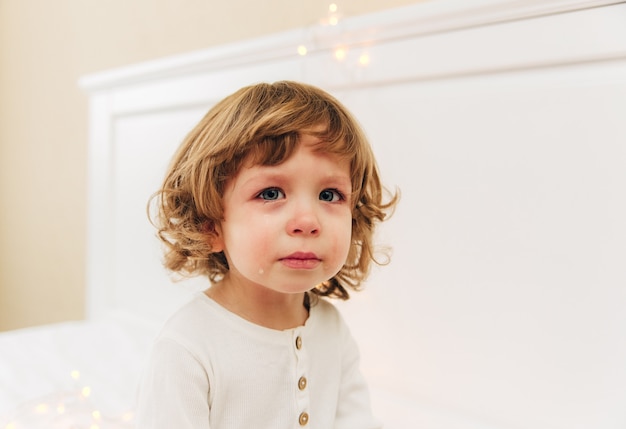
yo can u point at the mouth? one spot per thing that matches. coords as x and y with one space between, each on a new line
301 260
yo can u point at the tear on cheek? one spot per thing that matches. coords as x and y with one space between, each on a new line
261 271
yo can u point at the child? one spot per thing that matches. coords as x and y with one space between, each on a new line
274 196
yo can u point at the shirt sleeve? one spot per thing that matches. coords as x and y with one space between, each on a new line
353 408
174 391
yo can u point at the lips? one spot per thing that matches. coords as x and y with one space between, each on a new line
301 260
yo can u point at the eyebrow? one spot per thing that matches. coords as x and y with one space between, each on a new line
340 179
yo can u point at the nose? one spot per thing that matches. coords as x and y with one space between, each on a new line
303 221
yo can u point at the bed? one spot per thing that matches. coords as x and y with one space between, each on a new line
502 124
73 374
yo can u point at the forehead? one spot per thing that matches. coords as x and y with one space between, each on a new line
309 152
277 150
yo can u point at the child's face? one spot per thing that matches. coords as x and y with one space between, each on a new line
288 227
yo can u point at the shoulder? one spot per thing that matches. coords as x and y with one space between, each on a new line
192 312
327 318
190 336
322 309
192 319
330 337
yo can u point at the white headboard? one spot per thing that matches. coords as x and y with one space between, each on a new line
502 122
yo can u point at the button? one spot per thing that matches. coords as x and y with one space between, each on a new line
303 419
298 342
302 383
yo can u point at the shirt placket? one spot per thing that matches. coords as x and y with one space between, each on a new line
302 382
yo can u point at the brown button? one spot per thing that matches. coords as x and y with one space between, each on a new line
302 383
303 419
298 342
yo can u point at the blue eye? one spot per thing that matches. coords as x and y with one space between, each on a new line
270 194
330 195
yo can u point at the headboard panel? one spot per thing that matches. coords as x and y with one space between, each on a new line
502 124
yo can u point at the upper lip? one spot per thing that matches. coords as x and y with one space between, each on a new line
301 255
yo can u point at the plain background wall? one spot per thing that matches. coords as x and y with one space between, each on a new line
44 48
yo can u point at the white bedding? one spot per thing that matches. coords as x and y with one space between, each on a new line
84 375
72 375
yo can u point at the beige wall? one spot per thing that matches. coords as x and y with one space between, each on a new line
45 46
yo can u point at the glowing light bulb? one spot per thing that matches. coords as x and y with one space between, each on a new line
11 425
332 8
96 415
61 409
364 59
127 416
333 20
340 53
86 391
42 408
94 426
302 51
75 374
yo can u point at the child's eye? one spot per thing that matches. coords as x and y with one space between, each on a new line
271 194
331 195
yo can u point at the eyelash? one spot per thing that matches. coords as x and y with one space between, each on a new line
335 193
265 191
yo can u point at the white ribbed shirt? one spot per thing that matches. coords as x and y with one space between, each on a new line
210 368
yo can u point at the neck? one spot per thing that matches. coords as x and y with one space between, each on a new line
260 305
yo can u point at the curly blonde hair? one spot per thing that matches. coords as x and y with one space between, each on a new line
263 123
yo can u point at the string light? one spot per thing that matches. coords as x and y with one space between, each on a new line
364 59
65 409
340 53
332 16
42 408
86 391
128 416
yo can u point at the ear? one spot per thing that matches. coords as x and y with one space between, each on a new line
214 237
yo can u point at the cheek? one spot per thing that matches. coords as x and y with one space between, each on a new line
343 239
347 242
261 235
247 240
